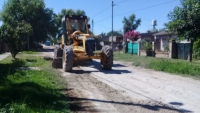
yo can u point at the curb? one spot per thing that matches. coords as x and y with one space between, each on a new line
3 56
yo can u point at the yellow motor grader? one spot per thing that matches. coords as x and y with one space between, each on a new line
77 44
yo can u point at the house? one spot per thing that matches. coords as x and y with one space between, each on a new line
161 40
117 40
3 47
145 37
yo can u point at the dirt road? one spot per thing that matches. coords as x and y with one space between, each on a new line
129 89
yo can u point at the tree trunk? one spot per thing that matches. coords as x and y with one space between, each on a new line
13 52
190 51
13 55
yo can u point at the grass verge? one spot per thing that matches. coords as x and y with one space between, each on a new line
30 91
136 60
29 52
174 66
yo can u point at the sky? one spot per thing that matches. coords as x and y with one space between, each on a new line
100 11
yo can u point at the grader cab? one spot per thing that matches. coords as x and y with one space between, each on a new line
77 44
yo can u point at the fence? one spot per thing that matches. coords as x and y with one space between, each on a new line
180 50
3 47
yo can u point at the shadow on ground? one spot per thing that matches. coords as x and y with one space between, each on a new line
92 64
95 66
30 94
89 66
33 95
7 69
77 102
45 50
178 104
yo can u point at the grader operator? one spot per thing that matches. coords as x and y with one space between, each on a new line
77 44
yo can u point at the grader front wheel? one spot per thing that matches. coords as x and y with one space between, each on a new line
57 62
68 58
107 57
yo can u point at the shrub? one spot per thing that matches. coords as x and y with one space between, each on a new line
131 35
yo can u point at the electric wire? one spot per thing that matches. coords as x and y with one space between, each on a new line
107 8
101 11
137 10
146 7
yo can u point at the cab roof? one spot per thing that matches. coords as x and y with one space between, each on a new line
78 17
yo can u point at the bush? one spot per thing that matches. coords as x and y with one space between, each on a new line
196 49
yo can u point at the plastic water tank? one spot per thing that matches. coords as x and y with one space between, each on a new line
47 43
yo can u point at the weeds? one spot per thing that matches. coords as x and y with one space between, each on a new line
175 66
26 91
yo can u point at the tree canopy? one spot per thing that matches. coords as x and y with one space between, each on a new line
184 20
131 34
131 23
32 12
102 34
14 37
115 33
26 14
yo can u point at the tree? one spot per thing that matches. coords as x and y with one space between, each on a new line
184 20
196 49
15 36
131 35
115 33
102 34
131 23
35 14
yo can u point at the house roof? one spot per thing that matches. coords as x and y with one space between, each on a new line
147 36
163 33
117 36
104 38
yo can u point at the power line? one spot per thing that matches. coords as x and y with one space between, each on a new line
103 19
137 10
101 11
104 26
107 8
121 1
146 7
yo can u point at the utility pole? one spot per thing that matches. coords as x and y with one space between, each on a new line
112 24
92 27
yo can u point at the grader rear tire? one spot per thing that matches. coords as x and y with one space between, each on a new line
68 58
107 57
57 63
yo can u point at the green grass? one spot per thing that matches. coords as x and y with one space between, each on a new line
136 60
174 66
30 91
29 52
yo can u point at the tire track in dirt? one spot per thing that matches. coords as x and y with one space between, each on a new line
93 95
88 95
